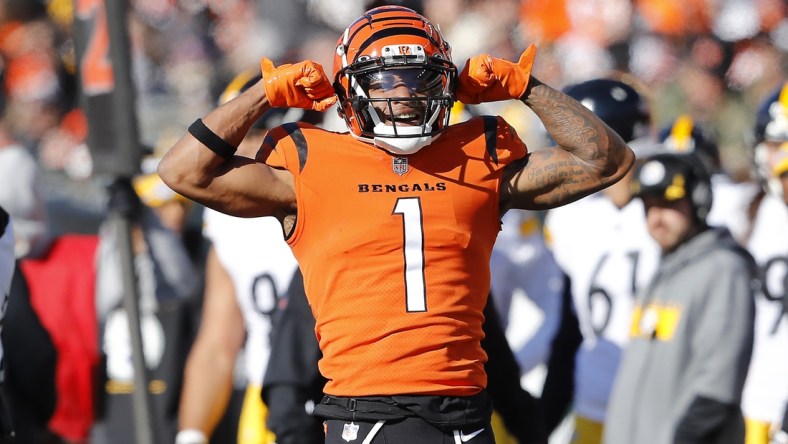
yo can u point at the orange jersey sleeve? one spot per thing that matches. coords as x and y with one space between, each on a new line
395 253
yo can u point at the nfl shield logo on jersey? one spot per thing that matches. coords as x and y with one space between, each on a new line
350 432
400 165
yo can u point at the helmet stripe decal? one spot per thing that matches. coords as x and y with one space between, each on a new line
344 48
294 131
490 132
384 19
784 98
682 132
388 32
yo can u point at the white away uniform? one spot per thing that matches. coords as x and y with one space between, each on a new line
766 389
607 254
261 266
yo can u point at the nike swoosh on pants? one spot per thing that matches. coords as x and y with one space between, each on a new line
469 436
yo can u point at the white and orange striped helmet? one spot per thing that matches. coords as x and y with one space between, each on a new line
395 79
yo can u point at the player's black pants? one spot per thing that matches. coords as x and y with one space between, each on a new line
407 419
411 430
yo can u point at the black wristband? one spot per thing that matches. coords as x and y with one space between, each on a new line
211 140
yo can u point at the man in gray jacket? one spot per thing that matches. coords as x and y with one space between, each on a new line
682 374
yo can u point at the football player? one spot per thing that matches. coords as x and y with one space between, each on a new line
766 390
602 244
393 223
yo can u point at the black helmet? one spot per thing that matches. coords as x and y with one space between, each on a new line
674 176
771 121
618 104
771 129
683 136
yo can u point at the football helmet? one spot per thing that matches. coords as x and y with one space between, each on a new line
673 176
683 136
618 104
770 136
395 79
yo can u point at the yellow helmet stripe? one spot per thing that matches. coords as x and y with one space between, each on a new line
681 133
676 190
783 99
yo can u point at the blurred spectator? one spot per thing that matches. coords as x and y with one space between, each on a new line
683 371
22 197
168 281
7 267
50 308
30 365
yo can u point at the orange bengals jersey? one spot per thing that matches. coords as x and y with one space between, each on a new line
395 253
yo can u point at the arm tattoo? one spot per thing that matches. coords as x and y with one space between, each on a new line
589 157
544 180
573 126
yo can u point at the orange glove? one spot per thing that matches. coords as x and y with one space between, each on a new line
488 79
299 85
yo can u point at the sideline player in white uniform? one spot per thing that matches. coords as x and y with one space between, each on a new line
249 258
602 244
766 390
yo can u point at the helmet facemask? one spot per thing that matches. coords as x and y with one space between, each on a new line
395 79
402 101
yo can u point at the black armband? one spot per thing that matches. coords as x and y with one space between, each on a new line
211 140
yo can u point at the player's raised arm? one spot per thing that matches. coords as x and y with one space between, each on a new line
203 166
589 157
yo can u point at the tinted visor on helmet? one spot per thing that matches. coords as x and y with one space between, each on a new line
416 98
411 81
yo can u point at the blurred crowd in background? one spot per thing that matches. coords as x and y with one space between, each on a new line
712 59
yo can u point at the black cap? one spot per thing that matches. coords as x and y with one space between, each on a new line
674 176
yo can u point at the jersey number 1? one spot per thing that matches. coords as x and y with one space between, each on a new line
413 241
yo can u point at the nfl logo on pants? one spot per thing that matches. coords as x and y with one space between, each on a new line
350 432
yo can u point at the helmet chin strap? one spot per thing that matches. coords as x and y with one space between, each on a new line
386 138
402 146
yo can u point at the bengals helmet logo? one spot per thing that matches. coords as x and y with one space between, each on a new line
404 50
